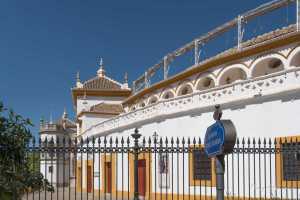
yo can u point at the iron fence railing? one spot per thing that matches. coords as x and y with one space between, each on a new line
165 169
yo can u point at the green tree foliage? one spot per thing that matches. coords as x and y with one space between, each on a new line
17 174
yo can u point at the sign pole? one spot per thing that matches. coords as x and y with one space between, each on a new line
220 170
219 140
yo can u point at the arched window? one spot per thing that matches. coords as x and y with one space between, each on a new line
205 83
232 75
187 89
267 66
133 108
168 95
153 100
142 104
295 60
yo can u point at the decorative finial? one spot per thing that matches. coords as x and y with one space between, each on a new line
77 77
126 77
101 71
65 114
78 83
101 62
51 121
42 121
125 84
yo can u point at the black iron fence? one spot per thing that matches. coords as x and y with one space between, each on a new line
164 169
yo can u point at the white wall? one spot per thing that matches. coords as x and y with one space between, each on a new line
90 119
92 100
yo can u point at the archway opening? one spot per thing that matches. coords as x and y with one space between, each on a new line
205 83
168 95
232 75
153 100
142 104
267 66
296 60
187 89
133 108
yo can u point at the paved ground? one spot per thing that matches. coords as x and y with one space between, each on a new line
64 195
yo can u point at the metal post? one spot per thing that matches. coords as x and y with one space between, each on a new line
298 14
147 81
166 67
136 137
240 31
196 53
220 170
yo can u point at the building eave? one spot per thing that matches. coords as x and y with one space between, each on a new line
218 60
91 92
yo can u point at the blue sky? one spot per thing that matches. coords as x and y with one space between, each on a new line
44 43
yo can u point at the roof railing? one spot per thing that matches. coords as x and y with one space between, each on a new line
239 22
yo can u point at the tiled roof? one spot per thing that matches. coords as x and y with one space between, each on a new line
107 108
102 83
68 123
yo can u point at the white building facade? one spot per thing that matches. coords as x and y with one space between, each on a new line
257 86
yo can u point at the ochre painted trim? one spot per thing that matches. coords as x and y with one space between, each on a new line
78 176
174 196
109 157
237 55
80 172
192 181
147 157
280 182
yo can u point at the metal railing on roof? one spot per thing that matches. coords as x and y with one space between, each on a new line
239 22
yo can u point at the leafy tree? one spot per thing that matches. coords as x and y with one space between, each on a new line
16 172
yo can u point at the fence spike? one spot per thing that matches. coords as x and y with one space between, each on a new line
270 142
284 140
265 141
253 141
144 141
99 140
149 140
199 141
64 140
116 140
259 142
93 140
160 141
177 140
172 140
87 140
194 140
122 140
166 141
128 141
105 140
52 140
183 140
81 141
189 141
70 141
243 141
110 140
57 140
248 141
